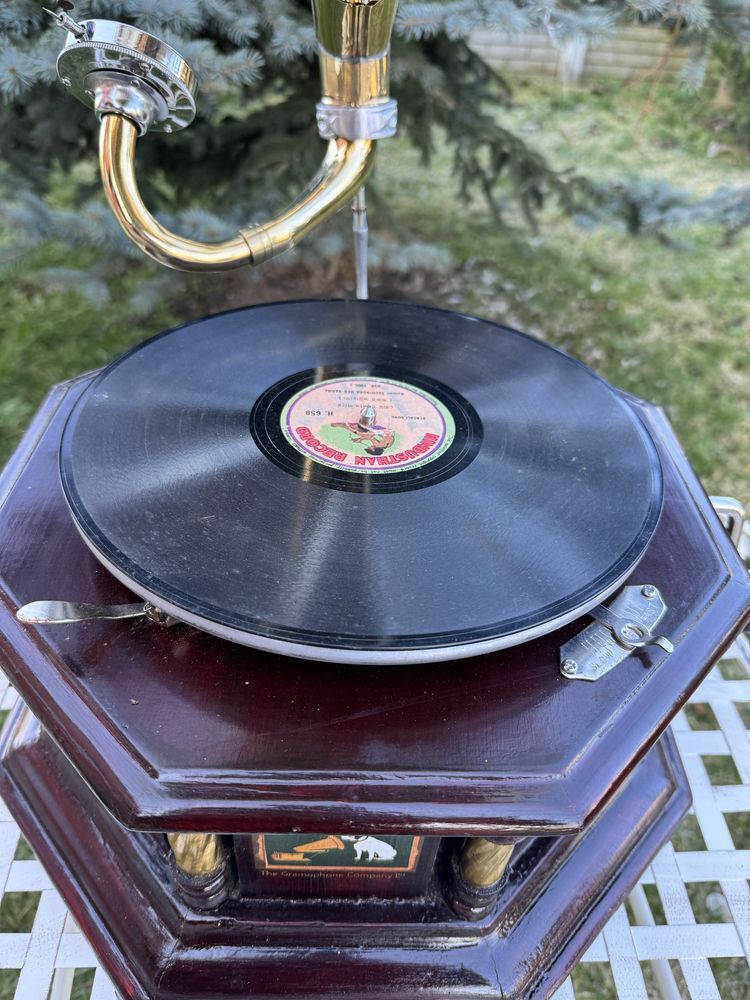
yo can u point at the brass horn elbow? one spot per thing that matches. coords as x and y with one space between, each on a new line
136 83
344 170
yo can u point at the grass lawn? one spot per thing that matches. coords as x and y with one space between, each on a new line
671 325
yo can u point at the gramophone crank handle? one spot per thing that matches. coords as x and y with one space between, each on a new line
66 612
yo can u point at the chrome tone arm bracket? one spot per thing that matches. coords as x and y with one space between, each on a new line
68 612
627 624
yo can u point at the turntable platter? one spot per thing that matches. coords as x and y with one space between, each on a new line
361 481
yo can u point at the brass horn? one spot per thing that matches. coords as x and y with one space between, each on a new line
136 83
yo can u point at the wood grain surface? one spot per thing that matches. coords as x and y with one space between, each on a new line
118 885
176 730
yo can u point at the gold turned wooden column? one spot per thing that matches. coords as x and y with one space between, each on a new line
197 853
478 872
483 862
202 868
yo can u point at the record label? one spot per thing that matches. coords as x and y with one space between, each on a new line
369 425
366 429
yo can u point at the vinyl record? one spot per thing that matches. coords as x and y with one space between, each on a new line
360 481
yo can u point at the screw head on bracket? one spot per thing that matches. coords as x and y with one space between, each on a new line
116 68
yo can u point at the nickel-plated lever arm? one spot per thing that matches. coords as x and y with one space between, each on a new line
68 612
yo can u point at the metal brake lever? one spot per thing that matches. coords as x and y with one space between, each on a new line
66 612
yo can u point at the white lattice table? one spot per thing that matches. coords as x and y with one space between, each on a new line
668 942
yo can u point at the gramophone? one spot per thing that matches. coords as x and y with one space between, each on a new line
348 632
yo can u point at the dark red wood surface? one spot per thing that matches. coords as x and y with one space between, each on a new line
175 729
559 892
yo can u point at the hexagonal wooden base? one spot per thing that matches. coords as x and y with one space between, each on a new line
169 730
177 730
119 887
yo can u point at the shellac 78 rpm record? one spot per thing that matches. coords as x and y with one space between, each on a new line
366 482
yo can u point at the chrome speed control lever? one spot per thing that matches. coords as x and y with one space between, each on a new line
627 624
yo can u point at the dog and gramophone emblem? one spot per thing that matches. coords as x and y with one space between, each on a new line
313 852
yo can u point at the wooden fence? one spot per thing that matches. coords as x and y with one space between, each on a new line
632 52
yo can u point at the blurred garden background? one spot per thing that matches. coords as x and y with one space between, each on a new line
604 215
601 209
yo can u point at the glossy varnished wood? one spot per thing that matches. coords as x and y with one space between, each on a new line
118 884
178 730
